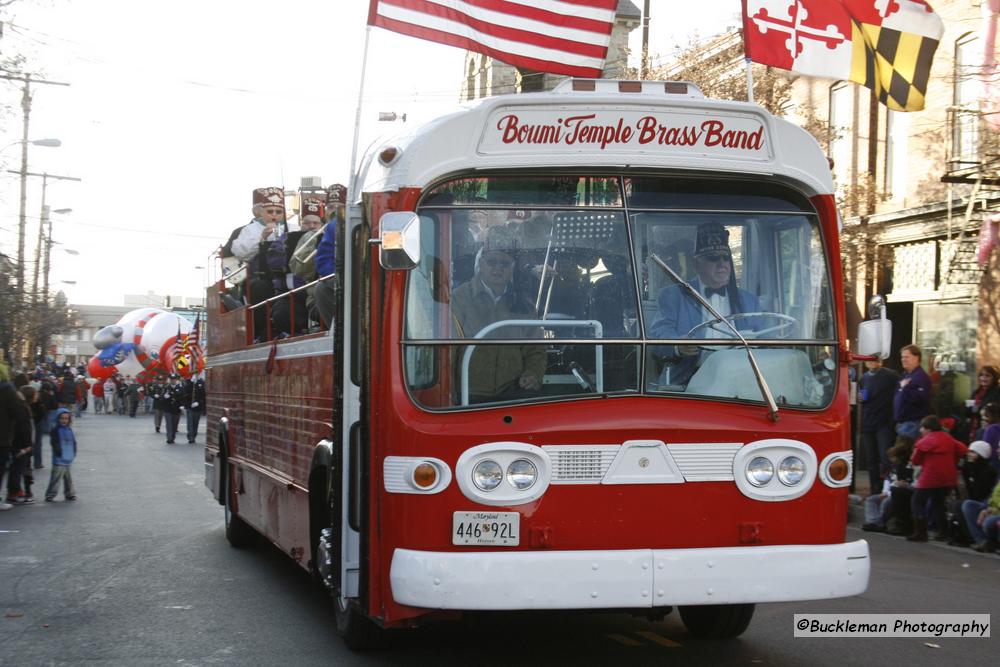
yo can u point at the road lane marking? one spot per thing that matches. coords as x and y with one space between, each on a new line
659 639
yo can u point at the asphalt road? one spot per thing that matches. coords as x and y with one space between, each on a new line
138 572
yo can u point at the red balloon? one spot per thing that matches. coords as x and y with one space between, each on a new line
96 370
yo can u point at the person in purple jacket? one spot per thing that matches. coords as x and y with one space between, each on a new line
912 401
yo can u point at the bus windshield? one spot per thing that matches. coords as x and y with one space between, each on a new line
533 288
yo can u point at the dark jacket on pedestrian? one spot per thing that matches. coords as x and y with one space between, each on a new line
913 402
173 399
67 391
8 417
876 411
979 477
194 394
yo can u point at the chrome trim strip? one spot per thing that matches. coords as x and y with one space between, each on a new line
293 349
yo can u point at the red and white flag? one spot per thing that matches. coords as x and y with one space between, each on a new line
885 45
568 37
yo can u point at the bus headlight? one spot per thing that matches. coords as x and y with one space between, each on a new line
791 470
487 475
760 470
503 474
775 469
522 474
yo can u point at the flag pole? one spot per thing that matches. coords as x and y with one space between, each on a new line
749 79
352 185
745 35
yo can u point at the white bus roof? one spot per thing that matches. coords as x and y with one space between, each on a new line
602 124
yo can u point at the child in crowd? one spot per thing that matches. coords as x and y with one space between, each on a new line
938 455
63 453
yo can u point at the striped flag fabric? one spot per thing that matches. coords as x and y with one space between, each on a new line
885 45
568 37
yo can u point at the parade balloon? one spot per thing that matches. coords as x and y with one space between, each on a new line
146 342
96 369
166 337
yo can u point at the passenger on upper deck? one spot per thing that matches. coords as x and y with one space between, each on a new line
679 312
247 249
498 372
326 291
311 219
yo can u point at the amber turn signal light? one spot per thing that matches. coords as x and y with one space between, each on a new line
425 475
838 470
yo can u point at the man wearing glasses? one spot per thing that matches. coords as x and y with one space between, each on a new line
247 248
679 312
497 372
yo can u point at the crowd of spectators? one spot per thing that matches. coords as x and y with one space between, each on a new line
931 475
38 405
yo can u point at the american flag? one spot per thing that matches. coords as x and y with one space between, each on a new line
568 37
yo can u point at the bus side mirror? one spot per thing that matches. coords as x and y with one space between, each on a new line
399 240
875 335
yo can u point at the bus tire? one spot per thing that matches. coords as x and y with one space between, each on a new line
238 532
717 621
357 630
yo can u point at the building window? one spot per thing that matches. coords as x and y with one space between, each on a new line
897 133
965 118
841 114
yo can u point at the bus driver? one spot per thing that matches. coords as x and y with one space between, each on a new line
679 312
497 372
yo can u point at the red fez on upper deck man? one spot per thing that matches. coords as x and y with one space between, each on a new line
269 197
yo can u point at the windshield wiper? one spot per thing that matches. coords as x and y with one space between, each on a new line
772 406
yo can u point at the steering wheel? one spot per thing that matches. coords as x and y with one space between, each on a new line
786 322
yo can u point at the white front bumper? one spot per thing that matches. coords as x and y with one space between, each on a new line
628 579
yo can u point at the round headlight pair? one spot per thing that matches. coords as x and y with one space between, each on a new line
521 474
791 471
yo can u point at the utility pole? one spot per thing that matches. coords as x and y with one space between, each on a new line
22 218
38 247
644 68
42 238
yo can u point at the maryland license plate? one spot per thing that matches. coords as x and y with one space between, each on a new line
498 529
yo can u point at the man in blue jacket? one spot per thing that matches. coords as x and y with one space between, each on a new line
912 401
326 290
680 312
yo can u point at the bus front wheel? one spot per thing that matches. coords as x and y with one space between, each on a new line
358 632
719 621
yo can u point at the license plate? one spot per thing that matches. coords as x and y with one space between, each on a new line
502 529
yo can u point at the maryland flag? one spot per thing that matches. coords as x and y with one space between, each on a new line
885 45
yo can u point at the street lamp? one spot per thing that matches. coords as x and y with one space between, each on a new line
48 243
47 143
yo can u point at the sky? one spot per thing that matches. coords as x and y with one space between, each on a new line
177 111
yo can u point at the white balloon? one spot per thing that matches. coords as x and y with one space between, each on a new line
131 319
161 330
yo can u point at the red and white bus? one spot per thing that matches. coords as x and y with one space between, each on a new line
526 402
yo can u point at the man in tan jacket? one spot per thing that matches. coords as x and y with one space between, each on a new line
498 372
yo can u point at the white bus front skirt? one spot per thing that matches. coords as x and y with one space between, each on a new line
628 579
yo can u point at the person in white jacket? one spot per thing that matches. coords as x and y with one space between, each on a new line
247 248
